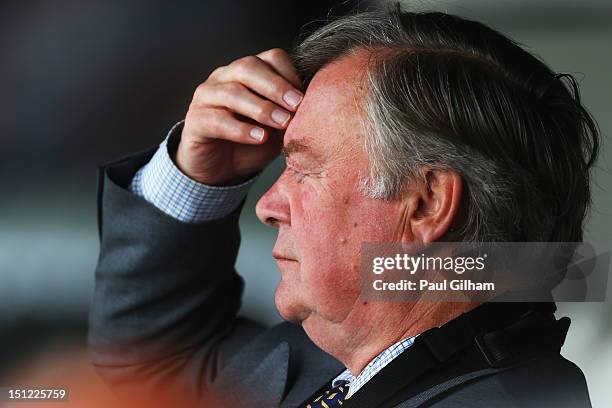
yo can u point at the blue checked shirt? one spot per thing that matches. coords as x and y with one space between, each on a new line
162 184
378 363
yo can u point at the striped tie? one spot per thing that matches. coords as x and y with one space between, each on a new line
330 398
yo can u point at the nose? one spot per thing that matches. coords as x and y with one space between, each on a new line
273 207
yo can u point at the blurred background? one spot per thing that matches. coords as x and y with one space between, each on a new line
84 82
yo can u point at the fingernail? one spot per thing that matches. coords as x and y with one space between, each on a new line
280 116
257 134
293 98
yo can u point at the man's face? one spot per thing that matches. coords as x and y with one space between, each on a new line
321 217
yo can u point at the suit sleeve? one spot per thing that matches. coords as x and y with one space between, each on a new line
166 293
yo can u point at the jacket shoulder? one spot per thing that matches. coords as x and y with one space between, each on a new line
541 382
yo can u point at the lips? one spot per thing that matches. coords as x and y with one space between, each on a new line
282 253
281 257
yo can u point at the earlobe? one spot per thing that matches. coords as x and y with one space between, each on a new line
438 200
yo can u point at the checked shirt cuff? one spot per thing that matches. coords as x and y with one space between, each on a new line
162 184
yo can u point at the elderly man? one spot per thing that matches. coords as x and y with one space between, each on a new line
413 128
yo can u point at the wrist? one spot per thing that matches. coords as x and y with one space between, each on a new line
207 172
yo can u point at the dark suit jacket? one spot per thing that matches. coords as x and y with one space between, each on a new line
164 314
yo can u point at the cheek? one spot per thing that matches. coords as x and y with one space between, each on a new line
327 233
313 219
375 221
329 270
332 289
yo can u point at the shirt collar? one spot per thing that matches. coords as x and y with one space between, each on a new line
373 367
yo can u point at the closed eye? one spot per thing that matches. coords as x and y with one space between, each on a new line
299 175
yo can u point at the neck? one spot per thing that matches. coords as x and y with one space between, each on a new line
391 327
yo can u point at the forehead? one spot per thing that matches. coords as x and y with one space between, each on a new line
330 112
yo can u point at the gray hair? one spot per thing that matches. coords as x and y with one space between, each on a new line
448 93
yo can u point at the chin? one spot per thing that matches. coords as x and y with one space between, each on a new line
288 306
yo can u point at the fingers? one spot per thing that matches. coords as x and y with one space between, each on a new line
215 123
262 88
237 98
257 75
280 61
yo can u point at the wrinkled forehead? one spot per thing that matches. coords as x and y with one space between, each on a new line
331 109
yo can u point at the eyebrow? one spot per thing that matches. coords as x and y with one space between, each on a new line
297 146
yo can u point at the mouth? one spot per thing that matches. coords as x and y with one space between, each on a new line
281 257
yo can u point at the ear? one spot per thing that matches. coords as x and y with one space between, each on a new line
436 203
